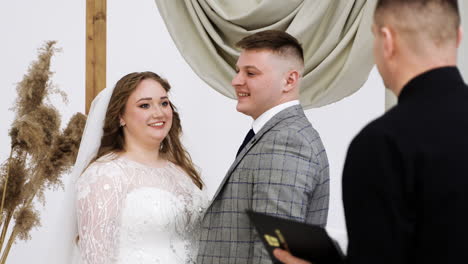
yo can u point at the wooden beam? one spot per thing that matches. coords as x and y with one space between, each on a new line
96 11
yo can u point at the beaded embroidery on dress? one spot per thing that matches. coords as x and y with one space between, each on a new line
131 213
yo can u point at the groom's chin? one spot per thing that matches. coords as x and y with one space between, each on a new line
240 108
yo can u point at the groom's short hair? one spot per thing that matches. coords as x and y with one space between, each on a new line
277 41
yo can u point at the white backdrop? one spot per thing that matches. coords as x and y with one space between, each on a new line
138 41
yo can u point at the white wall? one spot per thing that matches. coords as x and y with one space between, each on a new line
138 41
24 27
463 51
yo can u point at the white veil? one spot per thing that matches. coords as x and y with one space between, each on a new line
89 147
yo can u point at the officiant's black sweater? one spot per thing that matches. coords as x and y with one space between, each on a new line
405 181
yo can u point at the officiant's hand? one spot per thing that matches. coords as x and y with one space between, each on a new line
287 258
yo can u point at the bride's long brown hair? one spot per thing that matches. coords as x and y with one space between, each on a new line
113 138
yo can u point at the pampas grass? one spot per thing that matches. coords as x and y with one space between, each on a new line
40 152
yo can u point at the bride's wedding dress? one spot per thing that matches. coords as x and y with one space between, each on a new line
131 213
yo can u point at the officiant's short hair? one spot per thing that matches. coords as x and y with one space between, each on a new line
277 41
435 20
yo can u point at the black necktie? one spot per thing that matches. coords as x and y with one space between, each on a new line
247 138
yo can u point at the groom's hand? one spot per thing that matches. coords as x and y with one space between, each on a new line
287 258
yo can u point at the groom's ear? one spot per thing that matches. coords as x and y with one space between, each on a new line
291 80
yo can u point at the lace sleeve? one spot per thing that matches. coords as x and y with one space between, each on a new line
99 197
199 204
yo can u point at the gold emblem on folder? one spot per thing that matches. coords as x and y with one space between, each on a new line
284 245
272 241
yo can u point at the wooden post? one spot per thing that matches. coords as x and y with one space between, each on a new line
95 49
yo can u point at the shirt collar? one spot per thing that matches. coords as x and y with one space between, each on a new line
266 116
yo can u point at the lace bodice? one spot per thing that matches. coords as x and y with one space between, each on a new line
130 213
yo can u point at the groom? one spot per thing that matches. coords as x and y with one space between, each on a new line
281 168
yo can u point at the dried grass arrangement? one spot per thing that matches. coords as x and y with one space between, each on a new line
40 152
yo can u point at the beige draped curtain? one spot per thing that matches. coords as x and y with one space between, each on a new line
335 34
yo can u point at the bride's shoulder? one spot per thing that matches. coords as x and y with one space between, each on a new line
107 160
106 165
99 176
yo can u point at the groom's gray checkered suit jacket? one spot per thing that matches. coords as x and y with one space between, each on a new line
282 171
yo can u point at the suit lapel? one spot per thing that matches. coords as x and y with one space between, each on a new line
289 112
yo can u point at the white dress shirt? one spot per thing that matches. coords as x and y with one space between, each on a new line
265 117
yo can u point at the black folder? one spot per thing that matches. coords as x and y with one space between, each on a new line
309 242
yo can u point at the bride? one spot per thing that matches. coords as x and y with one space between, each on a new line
139 198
